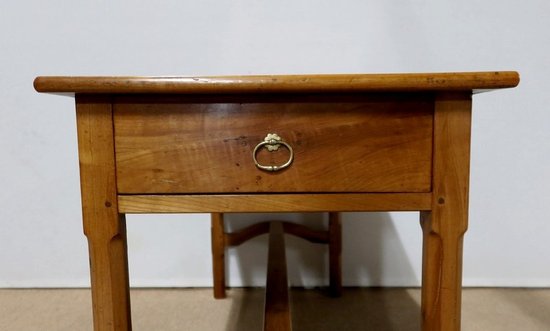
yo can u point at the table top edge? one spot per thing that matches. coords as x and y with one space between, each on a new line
331 83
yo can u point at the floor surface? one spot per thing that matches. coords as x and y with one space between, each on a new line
195 309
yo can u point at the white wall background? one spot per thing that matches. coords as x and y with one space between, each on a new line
41 240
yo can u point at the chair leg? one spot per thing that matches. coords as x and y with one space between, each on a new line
218 255
335 253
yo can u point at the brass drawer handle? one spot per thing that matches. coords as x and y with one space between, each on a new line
272 142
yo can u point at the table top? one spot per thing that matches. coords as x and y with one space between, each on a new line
335 83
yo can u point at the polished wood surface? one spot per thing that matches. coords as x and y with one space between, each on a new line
462 81
260 203
218 243
277 303
444 226
391 142
104 227
377 143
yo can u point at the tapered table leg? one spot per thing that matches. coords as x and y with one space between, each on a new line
441 278
109 279
444 226
104 227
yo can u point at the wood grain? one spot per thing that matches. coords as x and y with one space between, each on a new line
444 226
252 203
218 254
104 227
381 143
463 81
362 143
277 304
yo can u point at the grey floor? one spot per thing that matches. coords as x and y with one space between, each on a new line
195 309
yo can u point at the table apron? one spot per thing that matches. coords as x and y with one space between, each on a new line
240 203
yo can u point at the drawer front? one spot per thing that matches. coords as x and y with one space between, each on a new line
177 145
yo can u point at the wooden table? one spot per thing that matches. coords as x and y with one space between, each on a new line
382 142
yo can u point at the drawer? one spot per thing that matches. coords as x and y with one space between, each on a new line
340 144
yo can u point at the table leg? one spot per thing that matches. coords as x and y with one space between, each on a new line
441 277
218 254
104 227
335 253
444 226
110 283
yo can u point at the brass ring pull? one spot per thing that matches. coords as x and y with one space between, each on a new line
272 142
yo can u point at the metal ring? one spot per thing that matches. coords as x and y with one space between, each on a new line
272 143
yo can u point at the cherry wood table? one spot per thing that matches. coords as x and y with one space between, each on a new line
309 143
